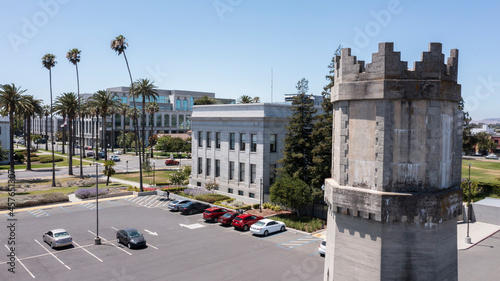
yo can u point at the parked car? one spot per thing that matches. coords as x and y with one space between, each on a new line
57 238
88 147
115 158
90 154
174 205
170 162
193 208
244 221
101 154
213 213
228 217
266 226
131 238
118 152
322 248
491 156
41 141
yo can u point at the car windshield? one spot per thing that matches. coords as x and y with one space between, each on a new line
134 234
227 215
207 212
260 223
237 219
175 202
61 234
188 204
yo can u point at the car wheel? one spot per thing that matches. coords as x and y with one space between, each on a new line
266 233
52 245
191 212
129 246
282 228
214 220
118 240
245 227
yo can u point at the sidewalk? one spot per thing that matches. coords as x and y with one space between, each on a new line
478 231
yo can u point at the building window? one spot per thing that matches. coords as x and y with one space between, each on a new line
166 120
242 171
231 141
229 190
240 192
217 140
253 172
251 195
185 105
200 139
177 104
217 168
231 170
158 120
188 122
254 143
174 121
242 142
209 166
209 139
181 122
273 143
200 165
272 173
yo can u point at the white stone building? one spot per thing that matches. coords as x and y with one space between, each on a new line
238 145
4 135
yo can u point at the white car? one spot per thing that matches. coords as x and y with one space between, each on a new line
491 156
118 152
57 238
115 158
266 226
322 248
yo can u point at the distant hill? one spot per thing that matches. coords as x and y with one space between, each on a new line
487 121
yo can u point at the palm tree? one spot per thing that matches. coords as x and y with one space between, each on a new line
119 46
123 108
152 109
49 61
73 57
147 90
67 105
104 101
133 113
32 107
46 113
10 103
204 100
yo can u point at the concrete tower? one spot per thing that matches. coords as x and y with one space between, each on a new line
395 192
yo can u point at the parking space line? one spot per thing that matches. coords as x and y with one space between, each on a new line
65 209
149 245
314 254
46 254
272 234
7 215
114 203
298 242
52 254
21 263
110 243
88 251
114 228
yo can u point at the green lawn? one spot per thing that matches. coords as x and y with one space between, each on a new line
65 190
63 163
160 176
481 171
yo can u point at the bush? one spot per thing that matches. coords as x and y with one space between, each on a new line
304 223
48 159
211 198
256 206
212 185
34 159
19 157
133 188
193 192
174 189
246 207
35 200
475 189
84 193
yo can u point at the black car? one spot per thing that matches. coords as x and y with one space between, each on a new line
193 207
131 238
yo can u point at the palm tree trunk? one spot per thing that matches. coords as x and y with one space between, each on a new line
28 143
152 134
93 130
52 131
113 132
64 135
12 172
143 124
46 134
71 146
105 144
123 139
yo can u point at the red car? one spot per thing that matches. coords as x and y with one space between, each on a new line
213 213
244 221
228 217
170 162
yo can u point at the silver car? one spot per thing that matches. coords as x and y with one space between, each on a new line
57 238
174 205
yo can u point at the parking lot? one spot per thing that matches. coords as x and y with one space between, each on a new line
179 247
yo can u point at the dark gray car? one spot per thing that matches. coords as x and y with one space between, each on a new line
131 238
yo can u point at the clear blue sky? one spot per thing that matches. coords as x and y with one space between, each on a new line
229 46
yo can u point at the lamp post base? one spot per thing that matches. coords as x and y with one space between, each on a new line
97 241
468 240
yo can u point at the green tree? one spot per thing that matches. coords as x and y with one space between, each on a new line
297 152
123 109
49 61
485 143
109 171
67 106
469 141
73 57
204 100
322 133
35 139
104 101
291 192
46 113
4 154
152 109
248 99
32 108
11 102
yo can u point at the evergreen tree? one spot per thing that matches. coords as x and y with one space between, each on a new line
469 141
322 133
297 154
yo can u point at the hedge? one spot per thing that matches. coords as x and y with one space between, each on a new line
211 198
48 159
35 200
84 193
174 189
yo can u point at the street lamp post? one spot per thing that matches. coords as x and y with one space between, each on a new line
97 240
467 238
261 194
126 171
154 177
